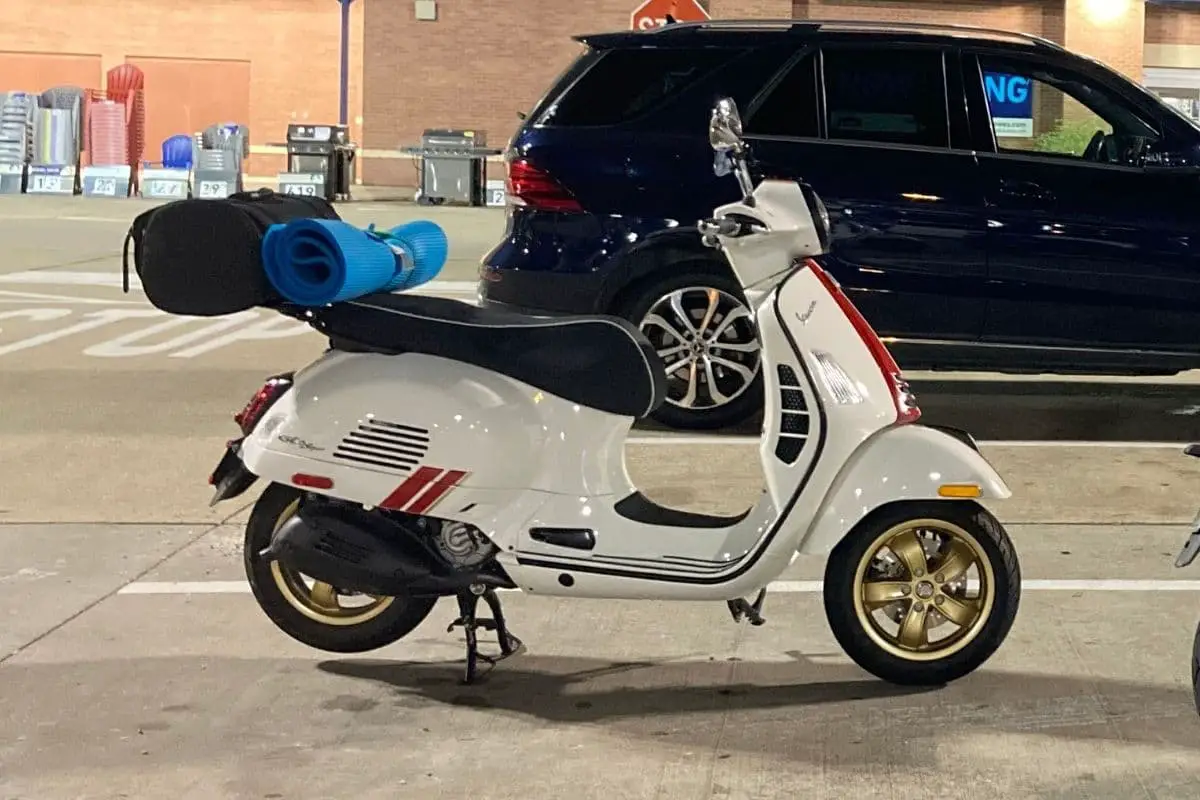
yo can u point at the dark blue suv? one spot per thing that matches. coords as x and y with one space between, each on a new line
998 203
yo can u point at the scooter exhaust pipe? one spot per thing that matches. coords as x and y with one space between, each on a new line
361 551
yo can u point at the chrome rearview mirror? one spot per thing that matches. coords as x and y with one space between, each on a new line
725 137
725 126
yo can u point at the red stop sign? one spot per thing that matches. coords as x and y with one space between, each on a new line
653 13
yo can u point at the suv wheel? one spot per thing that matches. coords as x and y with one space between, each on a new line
704 332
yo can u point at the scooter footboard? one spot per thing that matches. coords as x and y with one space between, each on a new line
905 462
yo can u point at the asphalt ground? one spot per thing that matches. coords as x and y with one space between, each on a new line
134 663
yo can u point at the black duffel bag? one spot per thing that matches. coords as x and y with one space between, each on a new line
203 258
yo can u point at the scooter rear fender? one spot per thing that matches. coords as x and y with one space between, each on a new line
901 463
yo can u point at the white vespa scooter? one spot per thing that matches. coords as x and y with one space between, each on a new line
439 449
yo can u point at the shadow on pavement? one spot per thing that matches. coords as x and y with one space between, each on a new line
836 703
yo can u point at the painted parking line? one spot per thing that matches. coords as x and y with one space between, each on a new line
783 587
113 280
668 439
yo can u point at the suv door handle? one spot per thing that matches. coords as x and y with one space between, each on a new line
1025 190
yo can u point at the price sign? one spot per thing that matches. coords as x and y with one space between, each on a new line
496 194
306 189
160 187
12 175
304 184
41 183
211 190
106 180
166 184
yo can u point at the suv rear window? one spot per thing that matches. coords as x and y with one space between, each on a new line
625 84
886 95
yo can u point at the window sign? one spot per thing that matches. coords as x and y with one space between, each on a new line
1010 101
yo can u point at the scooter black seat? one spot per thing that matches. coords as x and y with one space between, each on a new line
597 361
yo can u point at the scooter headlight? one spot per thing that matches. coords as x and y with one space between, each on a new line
820 215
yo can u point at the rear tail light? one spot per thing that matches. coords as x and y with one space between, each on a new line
263 399
532 187
902 395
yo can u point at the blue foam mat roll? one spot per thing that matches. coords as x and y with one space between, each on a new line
426 244
313 262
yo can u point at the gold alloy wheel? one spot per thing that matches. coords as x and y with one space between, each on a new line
320 601
919 577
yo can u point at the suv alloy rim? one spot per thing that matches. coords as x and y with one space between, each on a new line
707 341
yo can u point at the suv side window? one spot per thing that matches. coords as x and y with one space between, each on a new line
625 84
791 107
891 95
1053 112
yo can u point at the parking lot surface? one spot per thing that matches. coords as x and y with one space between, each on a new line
135 664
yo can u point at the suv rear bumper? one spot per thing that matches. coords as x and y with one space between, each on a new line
541 293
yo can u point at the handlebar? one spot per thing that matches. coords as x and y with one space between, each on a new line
721 227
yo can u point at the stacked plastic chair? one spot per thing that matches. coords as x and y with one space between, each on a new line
108 134
126 84
177 152
223 148
68 99
55 140
16 127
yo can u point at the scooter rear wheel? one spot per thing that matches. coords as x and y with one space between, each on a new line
923 593
312 612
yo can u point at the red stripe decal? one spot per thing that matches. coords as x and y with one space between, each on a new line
441 487
405 492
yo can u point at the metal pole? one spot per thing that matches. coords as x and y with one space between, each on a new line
344 78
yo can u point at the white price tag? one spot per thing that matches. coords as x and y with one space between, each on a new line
105 186
40 182
306 189
161 188
214 189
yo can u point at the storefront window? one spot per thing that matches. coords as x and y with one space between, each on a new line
1186 101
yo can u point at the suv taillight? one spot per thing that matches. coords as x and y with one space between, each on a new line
902 395
532 187
263 399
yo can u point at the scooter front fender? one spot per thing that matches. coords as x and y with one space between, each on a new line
904 462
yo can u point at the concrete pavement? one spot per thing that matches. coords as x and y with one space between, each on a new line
133 662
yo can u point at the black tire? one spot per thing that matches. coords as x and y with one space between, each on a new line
391 624
636 302
1196 669
841 590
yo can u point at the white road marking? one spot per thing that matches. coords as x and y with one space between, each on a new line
783 587
28 298
685 440
113 279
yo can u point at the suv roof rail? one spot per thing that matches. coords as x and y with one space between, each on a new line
818 24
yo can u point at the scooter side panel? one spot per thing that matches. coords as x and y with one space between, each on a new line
426 435
905 462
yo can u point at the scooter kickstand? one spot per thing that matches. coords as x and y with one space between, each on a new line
468 602
741 608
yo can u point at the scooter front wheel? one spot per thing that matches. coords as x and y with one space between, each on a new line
923 593
312 612
1196 669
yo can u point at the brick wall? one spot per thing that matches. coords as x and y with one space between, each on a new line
481 61
476 66
1029 16
292 47
1172 25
